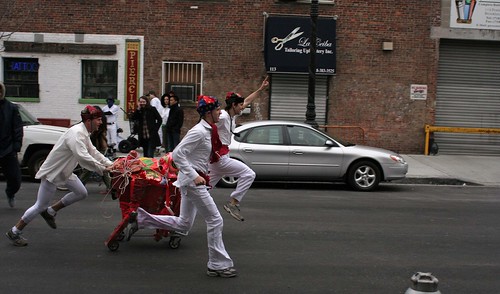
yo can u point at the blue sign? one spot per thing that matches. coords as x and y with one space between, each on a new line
23 66
288 40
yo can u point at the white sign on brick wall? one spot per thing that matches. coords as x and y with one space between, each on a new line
418 92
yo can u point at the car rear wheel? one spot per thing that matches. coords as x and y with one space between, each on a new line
36 161
228 182
364 176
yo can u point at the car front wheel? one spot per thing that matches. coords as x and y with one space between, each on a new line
36 161
364 176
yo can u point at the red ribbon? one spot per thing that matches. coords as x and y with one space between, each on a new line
216 145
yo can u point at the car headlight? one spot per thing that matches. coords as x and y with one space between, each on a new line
398 159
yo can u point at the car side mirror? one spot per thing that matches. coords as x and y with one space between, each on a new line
329 143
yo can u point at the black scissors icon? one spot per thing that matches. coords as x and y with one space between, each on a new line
293 34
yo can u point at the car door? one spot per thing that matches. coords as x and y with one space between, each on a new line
310 157
262 149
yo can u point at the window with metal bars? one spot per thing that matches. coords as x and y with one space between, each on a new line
184 79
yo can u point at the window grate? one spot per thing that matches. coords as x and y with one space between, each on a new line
184 78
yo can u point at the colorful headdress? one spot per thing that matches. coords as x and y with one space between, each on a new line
90 112
206 104
233 97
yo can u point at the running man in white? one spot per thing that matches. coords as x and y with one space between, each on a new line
191 157
73 148
227 166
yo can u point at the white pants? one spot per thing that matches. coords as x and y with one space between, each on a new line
194 199
112 135
229 167
47 190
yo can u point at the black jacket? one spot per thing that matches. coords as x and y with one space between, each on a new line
175 119
153 121
11 127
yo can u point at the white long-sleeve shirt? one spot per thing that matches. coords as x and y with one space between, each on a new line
226 126
74 147
193 153
114 109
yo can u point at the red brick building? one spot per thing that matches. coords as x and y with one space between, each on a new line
385 88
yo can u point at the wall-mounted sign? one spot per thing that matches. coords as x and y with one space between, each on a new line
475 14
418 92
287 44
132 74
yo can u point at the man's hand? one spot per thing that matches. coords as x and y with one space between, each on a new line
265 83
199 181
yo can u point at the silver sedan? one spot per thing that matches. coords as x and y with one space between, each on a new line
296 152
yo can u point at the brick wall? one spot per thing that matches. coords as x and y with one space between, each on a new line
371 88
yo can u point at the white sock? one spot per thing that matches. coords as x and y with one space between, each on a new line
16 231
51 211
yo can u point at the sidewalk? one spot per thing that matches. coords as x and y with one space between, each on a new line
453 169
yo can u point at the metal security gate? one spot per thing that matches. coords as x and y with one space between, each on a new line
289 97
468 95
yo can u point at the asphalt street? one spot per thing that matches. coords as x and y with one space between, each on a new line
295 239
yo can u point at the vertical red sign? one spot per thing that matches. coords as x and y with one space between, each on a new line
132 74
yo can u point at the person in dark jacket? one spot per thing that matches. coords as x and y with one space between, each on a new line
148 123
174 123
11 140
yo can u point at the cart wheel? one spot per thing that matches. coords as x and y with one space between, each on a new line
134 143
113 245
121 236
124 146
174 242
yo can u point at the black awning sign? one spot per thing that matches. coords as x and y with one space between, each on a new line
287 44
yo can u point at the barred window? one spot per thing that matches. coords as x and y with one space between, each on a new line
184 78
21 77
99 79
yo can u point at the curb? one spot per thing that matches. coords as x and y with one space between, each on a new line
436 181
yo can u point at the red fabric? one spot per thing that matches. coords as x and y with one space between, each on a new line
224 150
216 145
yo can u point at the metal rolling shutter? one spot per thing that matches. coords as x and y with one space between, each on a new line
289 97
468 95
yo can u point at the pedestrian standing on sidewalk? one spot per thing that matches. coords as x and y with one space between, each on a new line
149 122
191 157
73 147
111 112
174 123
165 101
155 102
227 166
11 140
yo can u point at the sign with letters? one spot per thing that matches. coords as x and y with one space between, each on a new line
132 74
288 40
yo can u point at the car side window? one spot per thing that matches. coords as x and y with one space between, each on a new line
300 136
269 135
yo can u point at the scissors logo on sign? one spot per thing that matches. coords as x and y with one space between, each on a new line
280 42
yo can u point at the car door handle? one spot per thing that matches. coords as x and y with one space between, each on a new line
297 152
248 150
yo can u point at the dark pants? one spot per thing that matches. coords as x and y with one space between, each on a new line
165 137
148 149
173 140
12 173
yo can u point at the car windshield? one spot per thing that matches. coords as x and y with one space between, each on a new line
28 118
